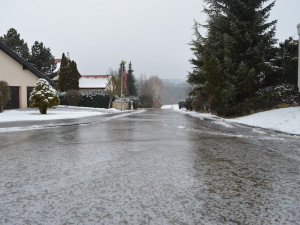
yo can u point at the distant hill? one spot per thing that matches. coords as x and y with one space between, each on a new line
174 89
173 81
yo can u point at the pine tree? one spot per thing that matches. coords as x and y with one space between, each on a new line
231 61
42 59
131 82
64 71
284 64
68 75
14 42
43 96
74 76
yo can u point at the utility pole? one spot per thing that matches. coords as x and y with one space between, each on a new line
122 71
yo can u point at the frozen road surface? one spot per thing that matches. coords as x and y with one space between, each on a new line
155 167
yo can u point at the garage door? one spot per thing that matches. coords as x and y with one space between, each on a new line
14 102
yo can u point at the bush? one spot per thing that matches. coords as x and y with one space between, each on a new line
4 94
88 99
188 103
73 97
43 96
95 99
146 101
264 99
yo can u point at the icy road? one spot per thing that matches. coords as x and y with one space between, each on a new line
155 167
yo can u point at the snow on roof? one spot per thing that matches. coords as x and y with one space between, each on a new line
93 81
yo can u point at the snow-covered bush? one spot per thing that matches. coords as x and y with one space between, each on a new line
4 94
43 96
88 99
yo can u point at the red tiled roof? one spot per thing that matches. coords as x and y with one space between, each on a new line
57 60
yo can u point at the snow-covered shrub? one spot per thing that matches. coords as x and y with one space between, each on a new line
43 96
73 97
94 99
4 95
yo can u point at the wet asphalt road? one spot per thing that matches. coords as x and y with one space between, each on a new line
155 167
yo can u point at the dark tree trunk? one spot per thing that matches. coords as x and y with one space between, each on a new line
43 110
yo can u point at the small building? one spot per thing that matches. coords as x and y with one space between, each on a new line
20 75
93 82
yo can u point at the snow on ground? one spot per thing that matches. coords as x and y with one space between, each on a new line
61 112
175 106
285 119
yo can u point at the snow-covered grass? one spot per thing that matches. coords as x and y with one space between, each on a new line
285 119
174 106
61 112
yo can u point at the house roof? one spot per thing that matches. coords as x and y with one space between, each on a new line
95 76
26 65
93 81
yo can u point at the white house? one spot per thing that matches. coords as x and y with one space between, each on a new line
20 75
93 82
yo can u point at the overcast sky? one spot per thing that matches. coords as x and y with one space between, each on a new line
98 34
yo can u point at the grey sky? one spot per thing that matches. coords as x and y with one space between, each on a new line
98 34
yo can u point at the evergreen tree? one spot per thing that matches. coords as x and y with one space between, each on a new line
14 42
284 64
131 82
73 77
43 96
42 59
232 60
64 71
68 75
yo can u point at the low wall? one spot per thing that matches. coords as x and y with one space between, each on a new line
117 105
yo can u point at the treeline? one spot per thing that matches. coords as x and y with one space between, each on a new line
144 92
39 55
174 91
237 67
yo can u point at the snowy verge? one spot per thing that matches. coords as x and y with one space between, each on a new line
61 112
284 120
174 106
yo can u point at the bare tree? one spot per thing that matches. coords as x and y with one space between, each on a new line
113 85
150 89
155 87
141 84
